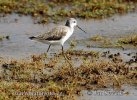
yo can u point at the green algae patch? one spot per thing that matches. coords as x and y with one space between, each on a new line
46 11
118 41
4 37
131 39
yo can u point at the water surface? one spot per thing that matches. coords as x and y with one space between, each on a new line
20 28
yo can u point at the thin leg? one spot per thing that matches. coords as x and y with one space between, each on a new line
62 50
48 48
65 56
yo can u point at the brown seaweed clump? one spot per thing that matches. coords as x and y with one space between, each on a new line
47 78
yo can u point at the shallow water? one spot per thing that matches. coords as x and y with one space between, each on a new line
20 28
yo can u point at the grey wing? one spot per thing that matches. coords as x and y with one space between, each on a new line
55 34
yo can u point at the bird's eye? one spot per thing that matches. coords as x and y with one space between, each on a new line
74 21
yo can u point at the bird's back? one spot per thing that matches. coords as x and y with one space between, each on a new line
55 34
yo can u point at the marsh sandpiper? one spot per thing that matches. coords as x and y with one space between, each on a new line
58 35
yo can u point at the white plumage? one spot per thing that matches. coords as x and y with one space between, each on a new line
58 35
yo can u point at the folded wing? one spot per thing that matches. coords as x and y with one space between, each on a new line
55 34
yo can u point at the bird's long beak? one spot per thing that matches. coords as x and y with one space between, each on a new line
81 29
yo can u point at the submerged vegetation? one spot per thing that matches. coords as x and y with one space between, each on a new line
35 79
126 41
4 37
132 39
45 10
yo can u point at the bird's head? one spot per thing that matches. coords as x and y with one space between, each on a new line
72 23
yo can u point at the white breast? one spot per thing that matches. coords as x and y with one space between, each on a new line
69 33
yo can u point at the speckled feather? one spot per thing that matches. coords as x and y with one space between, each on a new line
55 34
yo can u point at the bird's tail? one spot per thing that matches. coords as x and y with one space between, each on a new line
32 37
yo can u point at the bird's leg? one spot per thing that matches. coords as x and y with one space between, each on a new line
64 53
48 48
65 56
